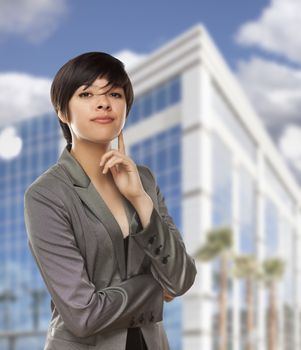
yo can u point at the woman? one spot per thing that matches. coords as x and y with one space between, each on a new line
97 223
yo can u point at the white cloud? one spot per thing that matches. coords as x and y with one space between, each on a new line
290 146
10 143
274 89
130 58
33 19
23 96
276 30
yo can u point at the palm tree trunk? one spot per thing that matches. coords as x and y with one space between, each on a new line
222 324
249 321
272 328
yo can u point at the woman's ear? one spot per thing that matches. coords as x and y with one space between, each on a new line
62 117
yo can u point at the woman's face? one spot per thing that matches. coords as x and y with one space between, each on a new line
97 101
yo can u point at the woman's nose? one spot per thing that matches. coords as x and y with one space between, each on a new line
103 103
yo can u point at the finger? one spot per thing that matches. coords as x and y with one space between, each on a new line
112 162
108 163
114 170
106 156
121 146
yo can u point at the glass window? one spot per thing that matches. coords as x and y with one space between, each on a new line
273 180
221 183
230 119
271 228
173 323
221 215
147 105
161 153
155 100
174 155
134 114
4 345
160 139
174 176
30 343
18 272
174 91
247 213
288 252
160 98
162 157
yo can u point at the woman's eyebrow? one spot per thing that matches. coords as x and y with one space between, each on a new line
98 87
85 87
109 87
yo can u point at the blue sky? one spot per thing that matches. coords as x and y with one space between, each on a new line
258 39
111 26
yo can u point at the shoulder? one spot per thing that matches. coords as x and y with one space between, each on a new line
53 180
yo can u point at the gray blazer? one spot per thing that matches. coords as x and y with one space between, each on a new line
79 249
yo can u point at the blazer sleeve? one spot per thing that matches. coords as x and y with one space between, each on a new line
84 310
171 265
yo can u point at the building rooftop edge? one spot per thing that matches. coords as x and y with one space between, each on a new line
213 60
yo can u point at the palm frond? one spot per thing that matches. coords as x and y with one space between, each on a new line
221 237
273 270
246 266
207 252
218 241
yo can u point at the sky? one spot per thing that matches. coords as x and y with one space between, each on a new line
259 40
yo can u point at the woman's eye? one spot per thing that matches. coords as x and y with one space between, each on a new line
116 94
85 94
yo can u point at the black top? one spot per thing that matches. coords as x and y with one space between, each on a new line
135 339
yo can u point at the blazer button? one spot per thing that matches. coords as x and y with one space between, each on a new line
151 240
164 260
157 251
152 317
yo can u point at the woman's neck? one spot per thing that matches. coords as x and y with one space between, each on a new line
89 156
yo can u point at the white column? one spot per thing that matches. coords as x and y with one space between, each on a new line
235 226
284 229
260 228
298 280
196 110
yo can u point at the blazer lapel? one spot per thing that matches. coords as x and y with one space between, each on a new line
95 203
89 195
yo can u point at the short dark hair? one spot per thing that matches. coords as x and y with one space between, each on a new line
83 70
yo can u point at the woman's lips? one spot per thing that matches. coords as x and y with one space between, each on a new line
103 120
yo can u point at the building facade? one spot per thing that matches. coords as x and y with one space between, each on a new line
24 302
215 164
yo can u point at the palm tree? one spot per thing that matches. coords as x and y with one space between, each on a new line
273 271
219 242
38 296
7 296
246 267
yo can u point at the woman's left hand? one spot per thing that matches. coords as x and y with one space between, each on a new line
167 296
123 170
